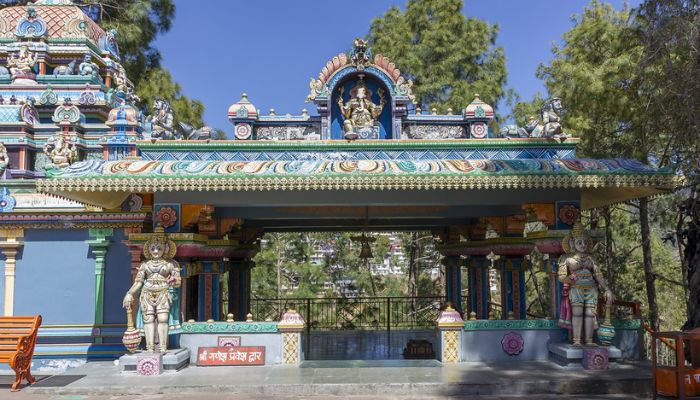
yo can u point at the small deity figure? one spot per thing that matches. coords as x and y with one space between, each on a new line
548 126
61 152
361 54
581 278
155 278
4 159
120 82
163 120
88 68
359 112
551 118
21 64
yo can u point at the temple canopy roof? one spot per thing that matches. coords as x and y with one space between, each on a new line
599 182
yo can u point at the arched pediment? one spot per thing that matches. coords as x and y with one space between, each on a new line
360 60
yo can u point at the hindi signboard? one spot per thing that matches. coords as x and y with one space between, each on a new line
236 355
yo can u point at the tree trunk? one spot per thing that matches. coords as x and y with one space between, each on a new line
610 274
692 260
649 277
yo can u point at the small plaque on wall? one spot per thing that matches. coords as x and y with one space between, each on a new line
228 341
237 355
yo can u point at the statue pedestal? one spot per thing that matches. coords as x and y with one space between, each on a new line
586 357
171 361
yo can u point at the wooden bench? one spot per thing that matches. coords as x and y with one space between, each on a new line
17 341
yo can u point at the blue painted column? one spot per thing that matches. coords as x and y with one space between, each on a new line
453 281
479 286
209 291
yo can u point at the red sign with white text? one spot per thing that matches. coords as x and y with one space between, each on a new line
236 355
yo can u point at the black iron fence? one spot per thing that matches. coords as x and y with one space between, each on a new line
368 313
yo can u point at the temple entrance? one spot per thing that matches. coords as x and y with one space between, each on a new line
362 328
368 296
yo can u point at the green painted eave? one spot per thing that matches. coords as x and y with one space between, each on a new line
342 145
229 327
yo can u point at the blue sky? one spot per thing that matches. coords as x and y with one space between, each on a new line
218 49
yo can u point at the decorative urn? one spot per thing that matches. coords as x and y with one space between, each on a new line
132 336
606 330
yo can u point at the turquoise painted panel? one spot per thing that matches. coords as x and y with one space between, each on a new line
117 279
55 277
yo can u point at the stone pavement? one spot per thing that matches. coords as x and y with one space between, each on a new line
220 396
361 381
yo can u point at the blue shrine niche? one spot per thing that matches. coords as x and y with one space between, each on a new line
373 84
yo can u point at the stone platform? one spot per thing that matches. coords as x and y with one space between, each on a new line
568 355
173 360
376 379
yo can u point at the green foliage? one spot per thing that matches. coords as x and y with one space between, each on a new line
627 260
308 262
448 56
593 73
521 110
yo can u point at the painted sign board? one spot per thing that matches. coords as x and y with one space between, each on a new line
236 355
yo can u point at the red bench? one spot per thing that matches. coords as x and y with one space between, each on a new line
17 341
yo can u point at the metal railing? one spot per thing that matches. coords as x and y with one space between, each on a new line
371 313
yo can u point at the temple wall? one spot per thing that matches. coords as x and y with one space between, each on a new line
117 279
485 345
56 277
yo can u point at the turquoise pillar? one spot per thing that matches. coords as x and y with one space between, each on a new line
99 244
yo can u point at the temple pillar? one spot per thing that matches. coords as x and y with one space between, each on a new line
513 289
555 288
10 247
99 245
478 287
239 288
208 280
453 281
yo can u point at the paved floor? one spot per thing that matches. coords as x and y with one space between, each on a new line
104 380
219 396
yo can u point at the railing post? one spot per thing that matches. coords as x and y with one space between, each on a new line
680 366
308 325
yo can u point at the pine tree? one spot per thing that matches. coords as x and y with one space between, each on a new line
448 56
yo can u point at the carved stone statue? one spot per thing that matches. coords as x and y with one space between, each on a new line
61 152
4 159
22 63
359 112
551 117
89 68
154 279
581 278
549 124
65 70
163 120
